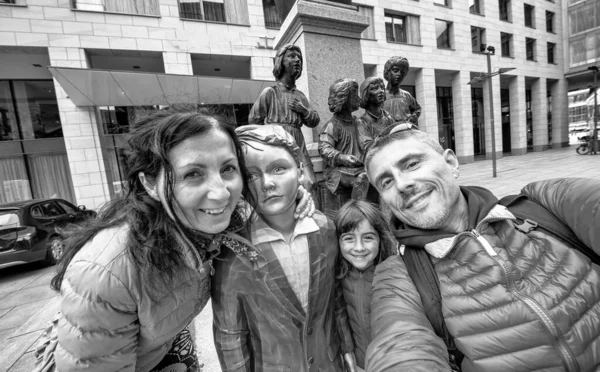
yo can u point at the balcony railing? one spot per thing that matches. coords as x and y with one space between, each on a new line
143 7
225 11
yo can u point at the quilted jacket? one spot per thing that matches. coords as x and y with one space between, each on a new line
357 294
111 320
512 301
259 323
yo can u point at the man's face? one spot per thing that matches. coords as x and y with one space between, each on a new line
292 63
396 75
376 93
416 182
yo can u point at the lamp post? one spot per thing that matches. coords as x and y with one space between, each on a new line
489 52
595 131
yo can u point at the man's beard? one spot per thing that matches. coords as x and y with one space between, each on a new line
432 218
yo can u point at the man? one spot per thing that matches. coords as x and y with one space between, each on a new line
513 301
401 105
285 105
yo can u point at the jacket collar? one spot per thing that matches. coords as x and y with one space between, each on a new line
263 233
440 248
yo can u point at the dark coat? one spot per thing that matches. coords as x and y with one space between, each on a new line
357 286
259 323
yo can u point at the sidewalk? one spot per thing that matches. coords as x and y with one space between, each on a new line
513 172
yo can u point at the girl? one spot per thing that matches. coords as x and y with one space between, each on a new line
273 304
365 240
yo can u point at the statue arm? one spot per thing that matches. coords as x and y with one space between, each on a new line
327 145
260 109
311 119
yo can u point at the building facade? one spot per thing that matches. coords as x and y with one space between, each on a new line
111 55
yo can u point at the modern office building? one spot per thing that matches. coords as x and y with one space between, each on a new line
75 73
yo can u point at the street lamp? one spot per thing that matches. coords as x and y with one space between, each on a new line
490 51
595 131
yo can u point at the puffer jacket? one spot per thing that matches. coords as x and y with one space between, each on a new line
357 293
512 301
113 321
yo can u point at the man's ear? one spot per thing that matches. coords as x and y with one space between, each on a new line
150 185
451 160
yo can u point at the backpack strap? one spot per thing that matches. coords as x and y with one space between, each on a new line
421 271
532 215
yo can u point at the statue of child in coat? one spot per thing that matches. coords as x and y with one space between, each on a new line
399 103
375 119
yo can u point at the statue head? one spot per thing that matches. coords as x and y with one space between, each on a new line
288 59
343 96
372 92
395 70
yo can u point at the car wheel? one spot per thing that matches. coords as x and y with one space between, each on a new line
55 250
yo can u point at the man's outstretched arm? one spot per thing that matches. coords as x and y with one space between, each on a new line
402 336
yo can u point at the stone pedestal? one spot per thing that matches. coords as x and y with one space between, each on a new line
329 35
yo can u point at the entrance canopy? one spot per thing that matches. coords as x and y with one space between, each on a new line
88 87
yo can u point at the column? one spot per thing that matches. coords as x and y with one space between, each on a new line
179 63
497 117
425 89
82 137
539 109
463 116
560 113
518 116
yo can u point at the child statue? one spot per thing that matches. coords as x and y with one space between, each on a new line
341 147
399 103
284 105
375 119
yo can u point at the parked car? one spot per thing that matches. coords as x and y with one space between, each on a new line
28 229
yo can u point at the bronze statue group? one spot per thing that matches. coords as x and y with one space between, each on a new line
404 270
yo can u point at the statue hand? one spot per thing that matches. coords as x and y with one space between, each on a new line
351 362
296 105
349 161
306 205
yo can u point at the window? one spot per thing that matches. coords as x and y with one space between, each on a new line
549 21
551 48
443 31
147 7
529 15
442 2
229 11
369 32
504 8
506 44
477 39
584 17
475 7
402 28
49 209
271 16
68 208
530 49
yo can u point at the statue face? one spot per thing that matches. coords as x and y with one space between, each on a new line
376 93
396 75
292 63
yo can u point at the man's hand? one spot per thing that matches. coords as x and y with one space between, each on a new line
296 105
351 362
306 204
349 161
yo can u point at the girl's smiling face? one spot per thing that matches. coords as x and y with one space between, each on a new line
360 246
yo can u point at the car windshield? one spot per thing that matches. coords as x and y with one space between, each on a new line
9 219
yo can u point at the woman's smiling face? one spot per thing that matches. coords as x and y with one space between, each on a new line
207 181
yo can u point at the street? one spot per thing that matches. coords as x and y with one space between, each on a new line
27 303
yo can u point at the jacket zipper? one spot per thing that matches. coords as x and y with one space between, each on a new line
569 361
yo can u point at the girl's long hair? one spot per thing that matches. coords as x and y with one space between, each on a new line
348 218
156 242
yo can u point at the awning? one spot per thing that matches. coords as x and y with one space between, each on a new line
88 87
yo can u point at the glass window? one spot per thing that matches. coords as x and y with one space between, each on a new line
14 183
37 108
272 19
8 121
36 211
475 7
67 208
442 2
551 48
549 21
506 43
50 176
530 49
529 15
477 39
230 11
214 11
443 31
505 10
402 28
369 32
49 209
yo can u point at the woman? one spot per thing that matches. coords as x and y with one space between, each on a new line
274 305
134 278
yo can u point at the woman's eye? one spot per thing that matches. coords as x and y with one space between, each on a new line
229 168
192 174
